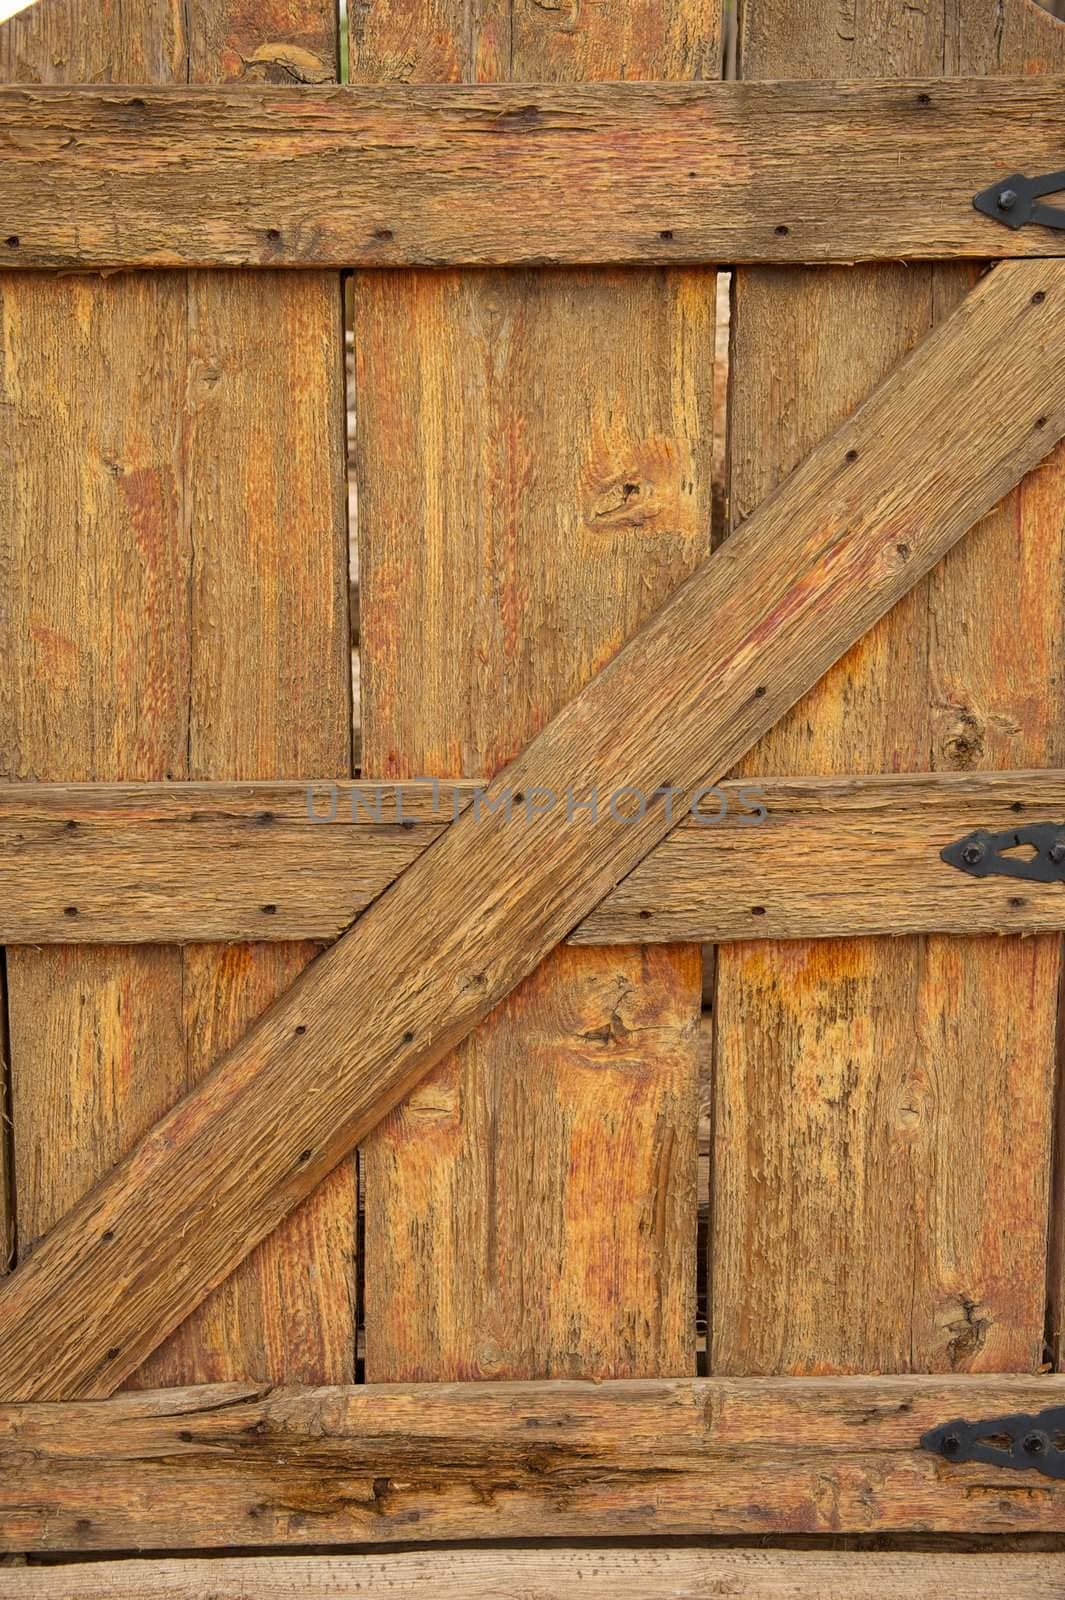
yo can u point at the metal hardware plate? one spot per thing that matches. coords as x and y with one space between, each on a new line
985 855
1014 201
1024 1441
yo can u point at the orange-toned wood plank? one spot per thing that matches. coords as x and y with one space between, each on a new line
996 643
872 1095
394 1463
270 699
758 623
534 472
95 630
781 858
269 682
522 174
186 617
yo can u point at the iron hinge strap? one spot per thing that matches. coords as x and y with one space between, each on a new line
1027 1442
988 855
1014 201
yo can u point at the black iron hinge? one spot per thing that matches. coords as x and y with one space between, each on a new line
1026 1442
1014 201
989 855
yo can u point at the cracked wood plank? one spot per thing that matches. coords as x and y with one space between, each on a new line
150 863
245 1465
558 492
520 174
759 622
195 499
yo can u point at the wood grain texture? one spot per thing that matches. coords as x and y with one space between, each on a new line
269 680
181 863
997 683
520 174
238 1464
560 491
195 862
96 650
863 519
89 692
848 1234
269 698
552 1574
836 858
135 42
197 499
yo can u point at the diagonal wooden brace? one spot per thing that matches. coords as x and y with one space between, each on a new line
866 516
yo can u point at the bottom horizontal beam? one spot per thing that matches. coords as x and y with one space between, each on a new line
246 1466
596 1574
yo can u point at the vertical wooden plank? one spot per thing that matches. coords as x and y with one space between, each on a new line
997 614
873 1095
88 510
534 471
270 694
95 628
174 531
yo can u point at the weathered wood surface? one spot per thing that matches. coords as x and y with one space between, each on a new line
871 1095
552 1574
999 680
90 404
837 857
427 175
180 437
179 863
239 1465
557 492
855 527
791 858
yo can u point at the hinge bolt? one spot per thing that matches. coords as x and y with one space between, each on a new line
1007 199
1057 852
972 854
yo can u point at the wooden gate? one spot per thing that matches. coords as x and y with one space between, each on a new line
700 856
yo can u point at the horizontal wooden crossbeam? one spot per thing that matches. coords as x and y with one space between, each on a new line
792 858
598 1573
240 1465
850 532
838 856
422 175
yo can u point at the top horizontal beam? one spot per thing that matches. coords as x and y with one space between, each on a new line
642 173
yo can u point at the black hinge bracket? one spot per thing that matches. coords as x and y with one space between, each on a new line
987 855
1027 1442
1014 201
